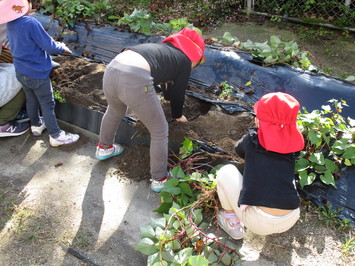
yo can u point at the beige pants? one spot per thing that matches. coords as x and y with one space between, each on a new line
229 184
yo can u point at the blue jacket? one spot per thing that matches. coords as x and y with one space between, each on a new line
31 47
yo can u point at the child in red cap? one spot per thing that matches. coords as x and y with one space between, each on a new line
264 198
129 82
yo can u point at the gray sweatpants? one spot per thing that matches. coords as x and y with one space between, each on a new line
131 87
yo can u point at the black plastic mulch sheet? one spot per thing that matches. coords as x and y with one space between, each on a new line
312 90
342 197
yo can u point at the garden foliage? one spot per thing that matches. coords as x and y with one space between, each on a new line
189 201
181 236
329 144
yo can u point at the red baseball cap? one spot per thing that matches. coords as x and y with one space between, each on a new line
278 131
12 9
190 42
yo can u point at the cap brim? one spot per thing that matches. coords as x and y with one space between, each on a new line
10 11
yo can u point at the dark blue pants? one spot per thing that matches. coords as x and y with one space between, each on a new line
39 96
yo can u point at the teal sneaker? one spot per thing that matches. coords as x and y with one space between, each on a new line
157 185
113 150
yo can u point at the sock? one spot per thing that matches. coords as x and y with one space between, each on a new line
101 147
231 218
162 179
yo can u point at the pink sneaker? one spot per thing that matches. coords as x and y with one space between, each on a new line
231 226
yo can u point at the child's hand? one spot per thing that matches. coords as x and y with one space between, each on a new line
67 50
181 119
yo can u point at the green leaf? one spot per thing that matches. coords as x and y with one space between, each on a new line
176 224
167 256
173 245
198 260
195 176
269 59
228 38
294 45
164 207
113 17
191 232
160 233
301 164
320 168
165 197
185 189
341 144
330 165
350 78
172 182
326 108
178 172
158 222
274 40
146 246
152 259
306 179
212 257
349 153
198 217
183 256
187 148
328 178
184 200
262 46
226 259
347 162
147 231
315 137
317 157
351 122
173 190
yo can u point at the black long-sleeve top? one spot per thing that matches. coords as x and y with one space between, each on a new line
168 65
268 178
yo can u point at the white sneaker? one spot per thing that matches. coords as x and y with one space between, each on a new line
113 150
63 139
37 131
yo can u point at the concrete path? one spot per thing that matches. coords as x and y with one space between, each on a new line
72 198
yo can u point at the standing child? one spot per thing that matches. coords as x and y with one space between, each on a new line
129 82
264 198
31 47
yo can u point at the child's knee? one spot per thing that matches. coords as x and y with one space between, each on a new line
225 172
